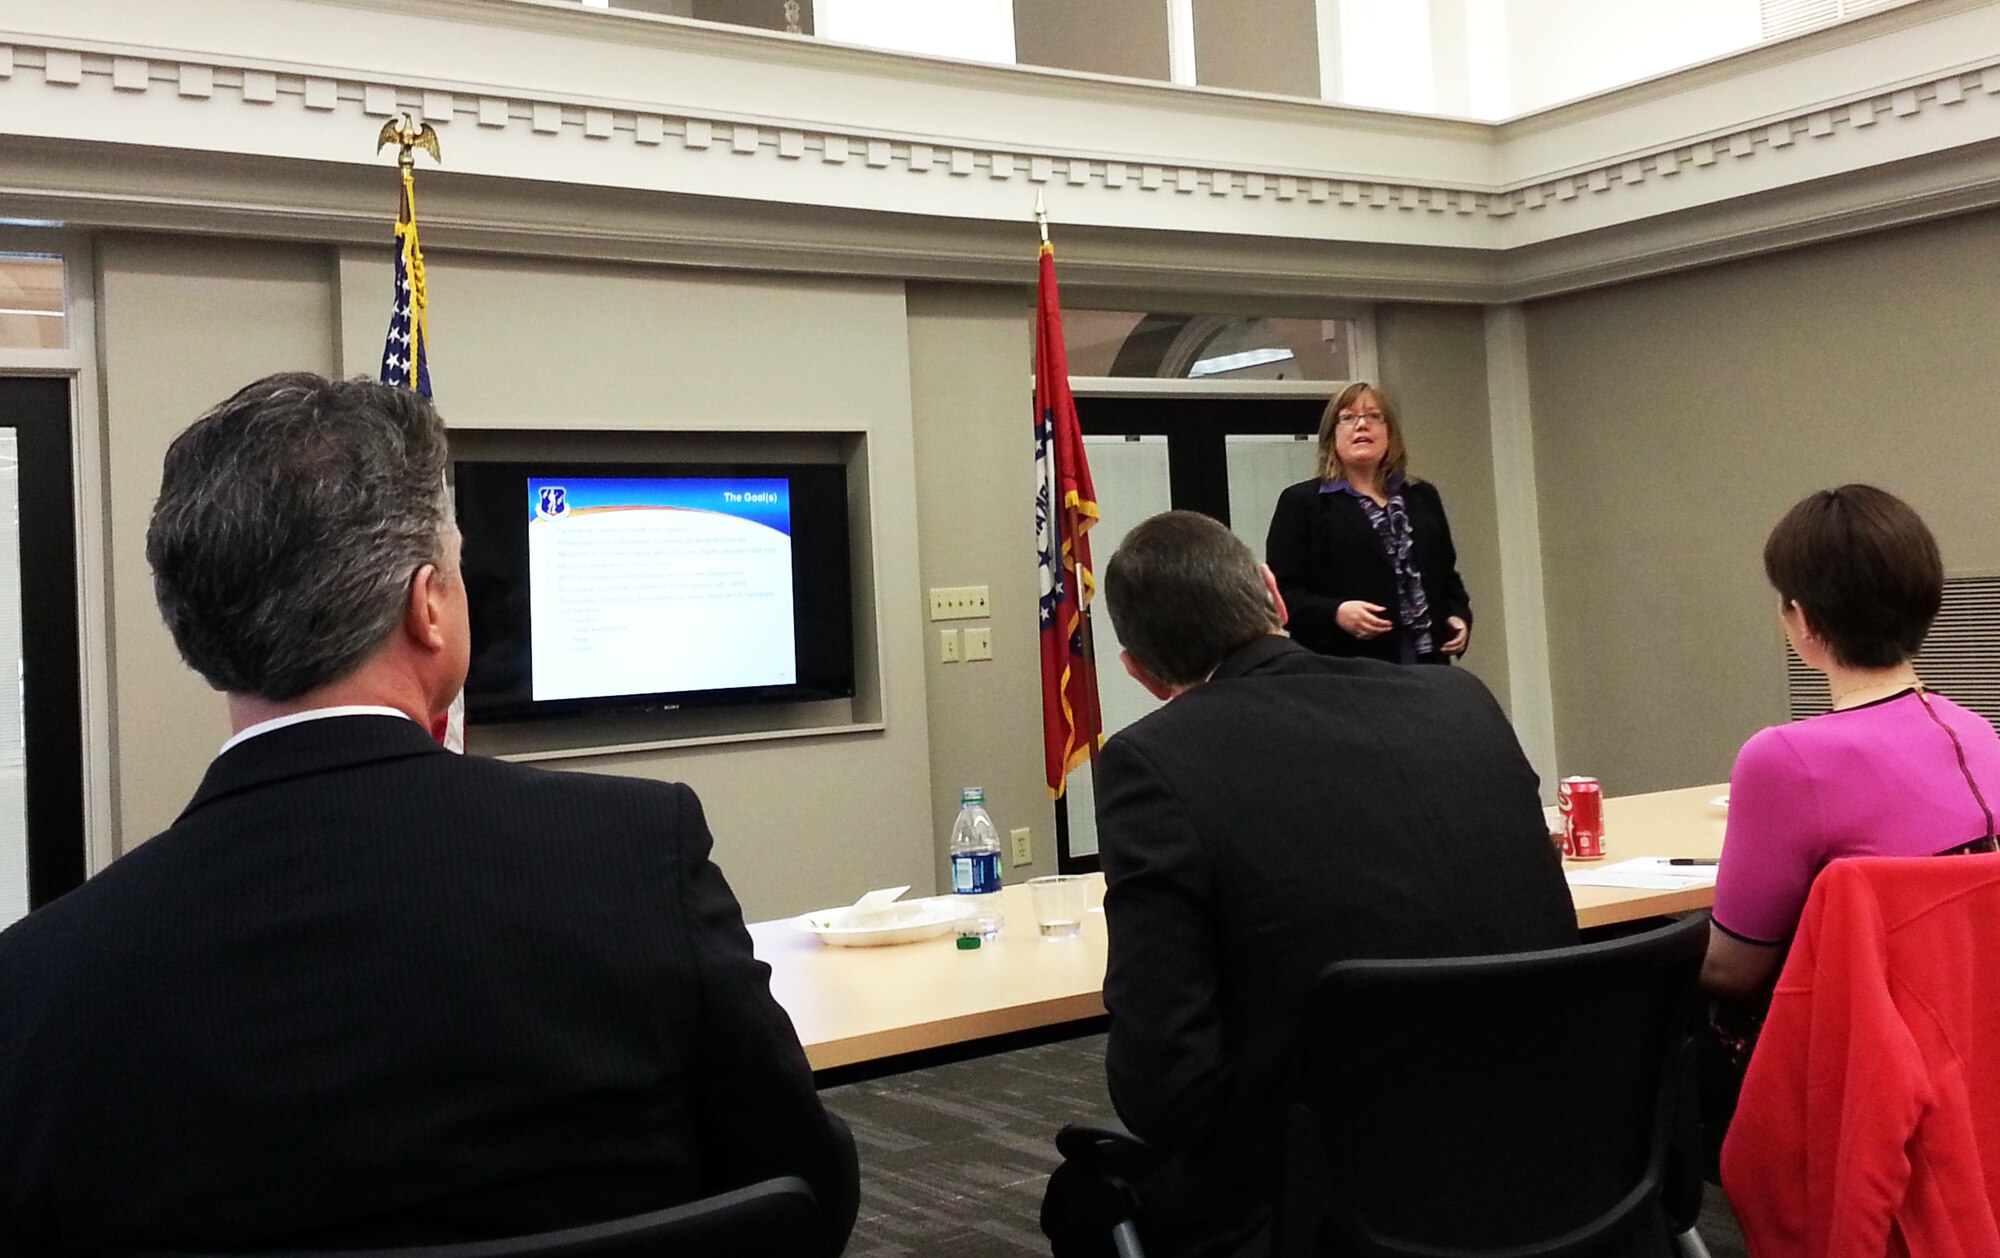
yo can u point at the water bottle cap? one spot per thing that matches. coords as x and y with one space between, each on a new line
972 795
967 943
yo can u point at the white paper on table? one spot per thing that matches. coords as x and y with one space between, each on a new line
877 901
1644 873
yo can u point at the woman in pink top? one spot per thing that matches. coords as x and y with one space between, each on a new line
1892 771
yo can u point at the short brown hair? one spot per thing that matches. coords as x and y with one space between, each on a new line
1864 570
1184 593
1394 459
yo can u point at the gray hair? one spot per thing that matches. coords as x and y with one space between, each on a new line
289 523
1185 592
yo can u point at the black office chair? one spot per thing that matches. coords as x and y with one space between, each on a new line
1532 1105
777 1218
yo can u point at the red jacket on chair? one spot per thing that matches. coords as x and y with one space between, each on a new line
1875 1086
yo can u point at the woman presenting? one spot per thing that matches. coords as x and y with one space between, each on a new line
1362 552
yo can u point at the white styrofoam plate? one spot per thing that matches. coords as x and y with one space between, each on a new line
907 921
1720 801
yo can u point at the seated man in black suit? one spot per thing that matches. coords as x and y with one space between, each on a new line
1285 810
365 992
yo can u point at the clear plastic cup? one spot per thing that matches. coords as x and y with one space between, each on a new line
1060 901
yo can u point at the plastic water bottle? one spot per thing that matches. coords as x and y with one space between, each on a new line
975 863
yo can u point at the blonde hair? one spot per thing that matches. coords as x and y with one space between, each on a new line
1394 460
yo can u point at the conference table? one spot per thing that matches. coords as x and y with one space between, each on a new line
861 1007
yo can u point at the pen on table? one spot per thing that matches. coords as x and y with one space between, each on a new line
1693 860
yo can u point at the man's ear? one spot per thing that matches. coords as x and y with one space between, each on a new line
424 611
1137 672
1277 599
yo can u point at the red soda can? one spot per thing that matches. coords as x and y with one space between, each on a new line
1581 802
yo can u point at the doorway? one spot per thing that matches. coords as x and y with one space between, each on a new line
42 844
1226 457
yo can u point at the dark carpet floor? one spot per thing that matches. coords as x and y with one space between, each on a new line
954 1158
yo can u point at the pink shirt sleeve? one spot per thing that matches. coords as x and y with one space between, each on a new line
1769 850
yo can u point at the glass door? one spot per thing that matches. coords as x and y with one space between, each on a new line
1227 457
1131 476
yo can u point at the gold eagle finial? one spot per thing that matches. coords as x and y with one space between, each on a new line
408 134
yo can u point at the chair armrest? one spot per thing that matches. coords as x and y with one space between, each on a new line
1110 1149
1682 1185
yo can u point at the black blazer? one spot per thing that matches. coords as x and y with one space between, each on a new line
1293 811
368 993
1324 552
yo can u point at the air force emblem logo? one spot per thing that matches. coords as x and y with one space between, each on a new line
553 503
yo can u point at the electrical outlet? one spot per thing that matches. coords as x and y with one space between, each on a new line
958 602
1024 847
948 646
979 643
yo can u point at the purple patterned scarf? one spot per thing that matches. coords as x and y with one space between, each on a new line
1392 527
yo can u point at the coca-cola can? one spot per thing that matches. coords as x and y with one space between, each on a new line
1581 802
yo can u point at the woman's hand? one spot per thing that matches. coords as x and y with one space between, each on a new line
1362 620
1456 645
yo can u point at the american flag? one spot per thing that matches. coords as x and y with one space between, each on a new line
406 352
406 364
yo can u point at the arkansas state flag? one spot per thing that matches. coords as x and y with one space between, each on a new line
1065 509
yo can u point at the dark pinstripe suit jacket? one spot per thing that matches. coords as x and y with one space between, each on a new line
367 992
1293 811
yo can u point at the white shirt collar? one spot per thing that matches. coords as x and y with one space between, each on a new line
310 714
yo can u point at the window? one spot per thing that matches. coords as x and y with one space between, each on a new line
32 302
1114 343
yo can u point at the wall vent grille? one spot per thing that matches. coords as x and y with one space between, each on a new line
1789 17
1960 659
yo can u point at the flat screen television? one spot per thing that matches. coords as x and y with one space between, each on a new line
634 587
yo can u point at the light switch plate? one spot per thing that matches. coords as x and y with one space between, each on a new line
948 646
979 643
958 602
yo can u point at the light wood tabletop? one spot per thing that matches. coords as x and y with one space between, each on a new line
854 1005
858 1005
1665 823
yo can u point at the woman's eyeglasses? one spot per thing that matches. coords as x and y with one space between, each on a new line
1375 418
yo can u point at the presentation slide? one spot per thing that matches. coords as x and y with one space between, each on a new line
658 585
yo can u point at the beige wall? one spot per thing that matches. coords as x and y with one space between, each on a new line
185 322
798 823
935 381
1433 361
1676 419
969 371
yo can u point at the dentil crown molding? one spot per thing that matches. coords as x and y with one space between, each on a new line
1653 167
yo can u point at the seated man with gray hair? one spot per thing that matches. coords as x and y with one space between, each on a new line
1283 811
365 992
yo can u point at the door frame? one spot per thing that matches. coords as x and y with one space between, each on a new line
78 364
51 652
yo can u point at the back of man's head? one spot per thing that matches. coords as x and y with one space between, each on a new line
289 523
1184 593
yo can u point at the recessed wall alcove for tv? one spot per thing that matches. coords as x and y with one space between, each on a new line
633 590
